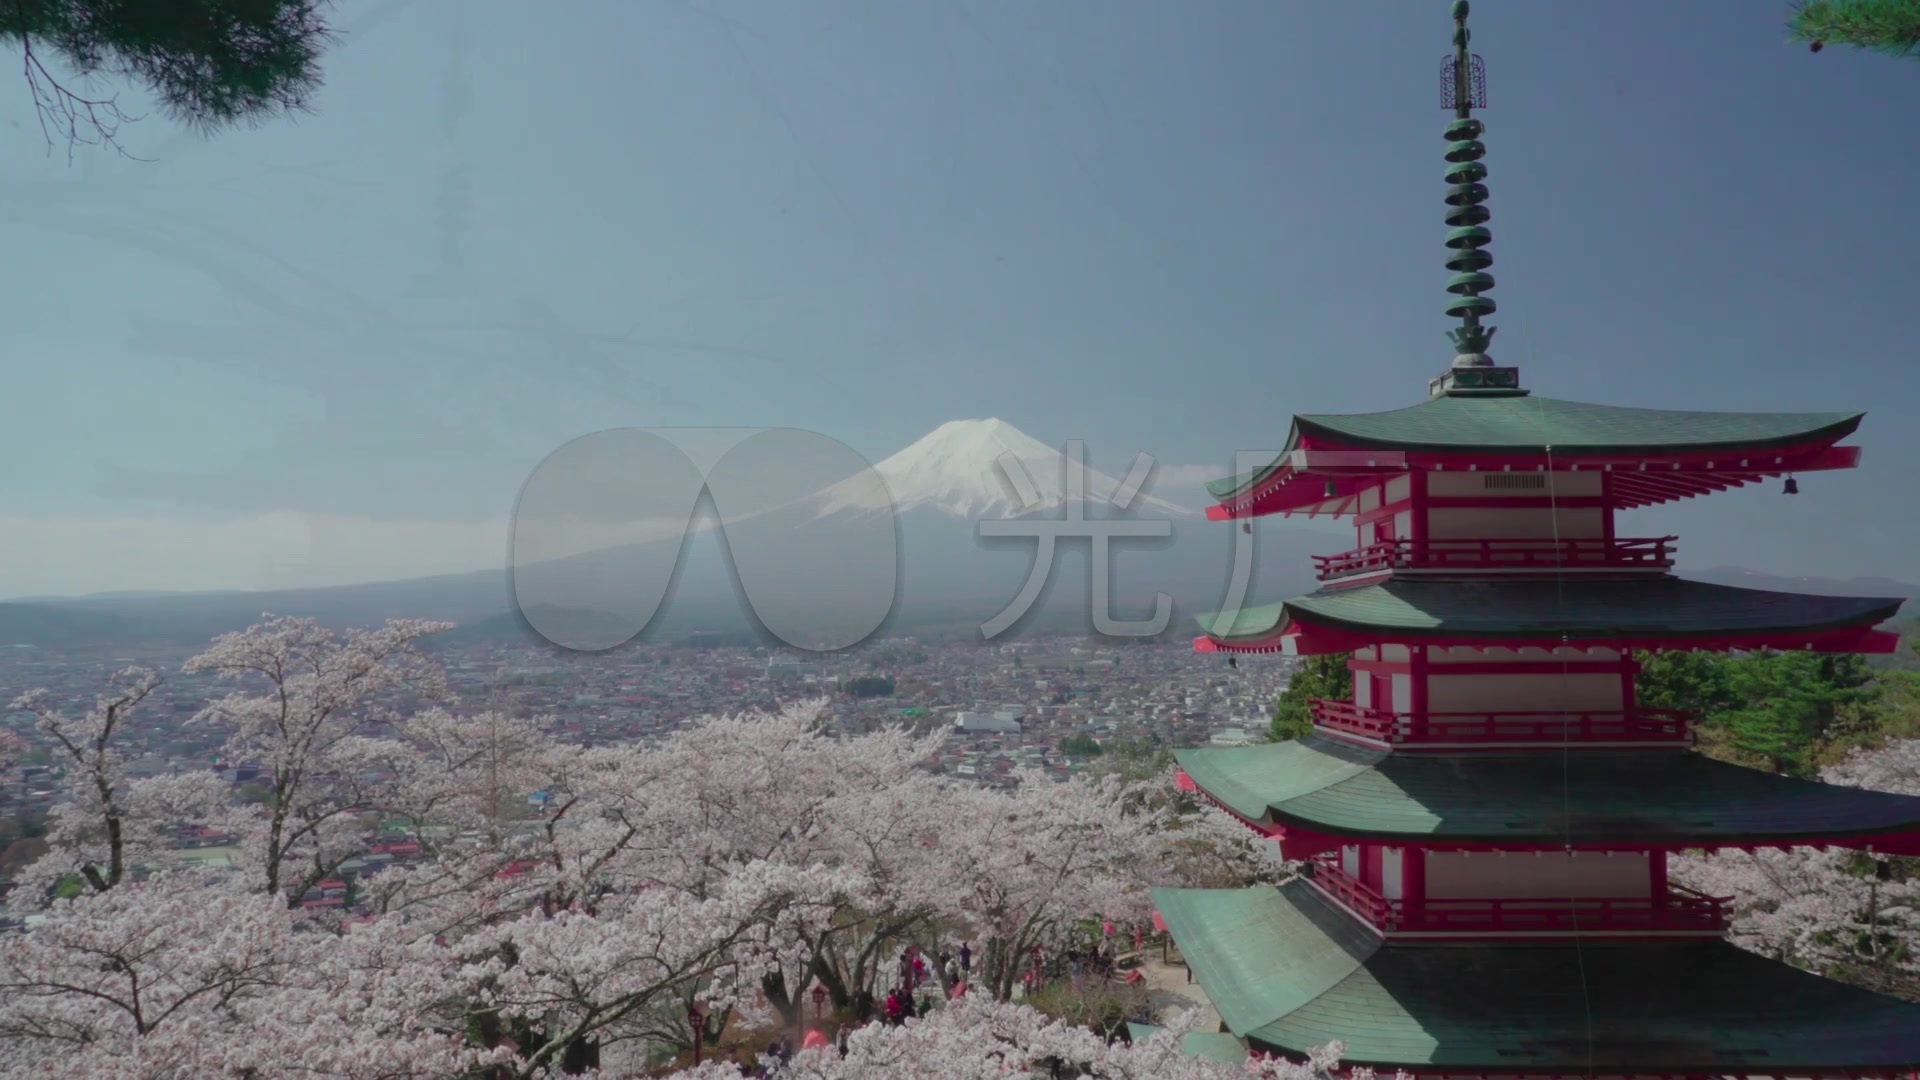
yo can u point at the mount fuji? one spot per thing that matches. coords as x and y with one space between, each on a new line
812 564
973 469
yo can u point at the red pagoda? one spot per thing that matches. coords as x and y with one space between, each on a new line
1488 822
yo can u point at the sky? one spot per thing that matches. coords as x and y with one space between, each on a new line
333 348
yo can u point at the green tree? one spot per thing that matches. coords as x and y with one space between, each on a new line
1789 702
866 686
1693 682
210 63
1318 677
1885 26
1080 746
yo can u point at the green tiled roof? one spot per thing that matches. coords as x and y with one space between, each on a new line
1572 427
1289 973
1511 424
1580 608
1327 786
1222 1046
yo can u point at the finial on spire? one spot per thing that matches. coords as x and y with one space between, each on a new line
1463 88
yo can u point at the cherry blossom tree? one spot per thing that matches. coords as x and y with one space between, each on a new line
90 833
982 1039
1850 914
717 872
179 976
305 701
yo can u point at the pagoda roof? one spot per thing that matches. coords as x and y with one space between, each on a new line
1326 786
1646 610
1289 972
1223 1046
1524 424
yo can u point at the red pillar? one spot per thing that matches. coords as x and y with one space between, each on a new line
1417 684
1417 516
1629 691
1606 508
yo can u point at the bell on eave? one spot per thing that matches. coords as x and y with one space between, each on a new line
1247 527
1793 486
1331 489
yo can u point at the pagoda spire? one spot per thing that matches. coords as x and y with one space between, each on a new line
1464 88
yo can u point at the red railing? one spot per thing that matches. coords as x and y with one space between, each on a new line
1680 910
1542 726
1357 895
1642 553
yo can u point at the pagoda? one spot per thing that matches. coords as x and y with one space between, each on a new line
1487 823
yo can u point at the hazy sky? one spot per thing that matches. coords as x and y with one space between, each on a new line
332 349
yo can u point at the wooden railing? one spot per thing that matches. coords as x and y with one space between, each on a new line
1531 726
1359 897
1642 553
1680 909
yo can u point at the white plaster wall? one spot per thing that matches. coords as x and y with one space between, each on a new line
1392 867
1369 498
1563 482
1550 691
1350 860
1462 875
1500 654
1402 693
1363 691
1515 522
1394 654
1398 488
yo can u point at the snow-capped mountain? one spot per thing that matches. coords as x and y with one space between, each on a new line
976 469
817 562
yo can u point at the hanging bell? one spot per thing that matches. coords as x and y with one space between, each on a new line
1247 527
1233 661
1332 490
1792 487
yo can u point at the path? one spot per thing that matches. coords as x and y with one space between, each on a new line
1173 996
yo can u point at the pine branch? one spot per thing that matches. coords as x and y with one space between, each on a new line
1886 26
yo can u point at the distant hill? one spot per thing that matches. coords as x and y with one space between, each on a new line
52 625
1822 586
812 565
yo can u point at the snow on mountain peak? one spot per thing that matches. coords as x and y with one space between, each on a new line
955 469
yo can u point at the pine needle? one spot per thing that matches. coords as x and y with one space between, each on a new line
1885 26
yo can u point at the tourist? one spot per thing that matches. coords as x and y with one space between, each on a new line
863 1005
966 958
